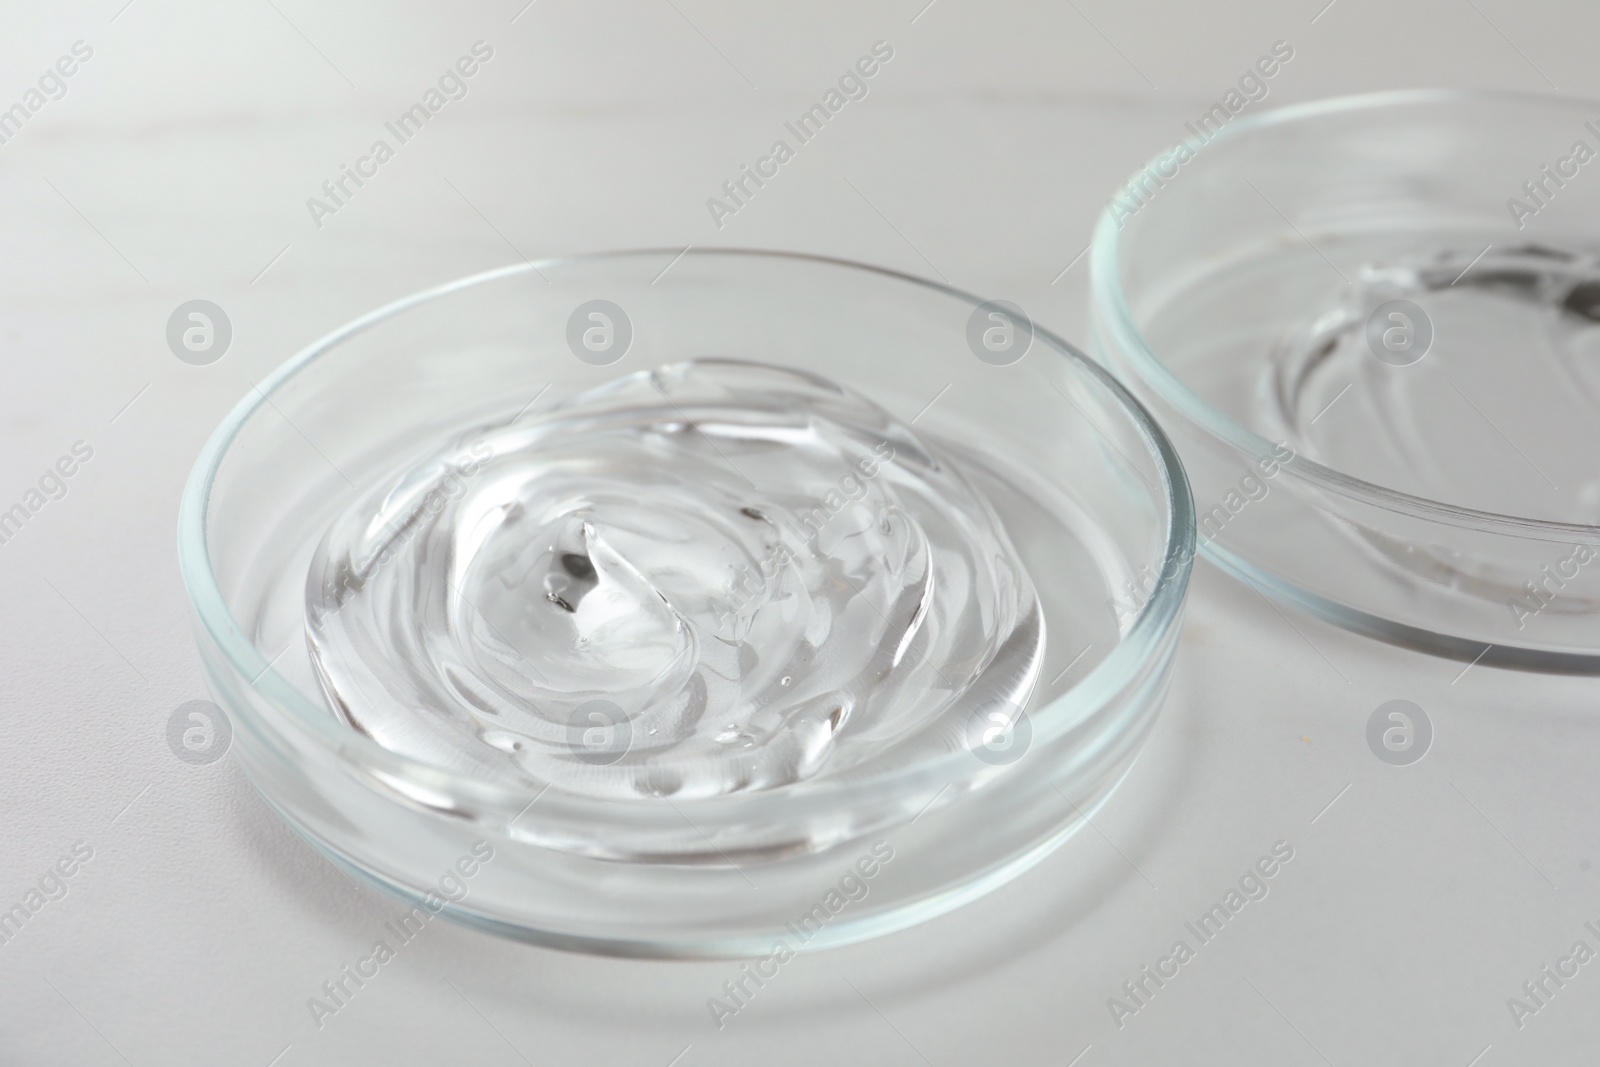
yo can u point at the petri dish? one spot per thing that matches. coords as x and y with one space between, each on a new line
671 603
1372 327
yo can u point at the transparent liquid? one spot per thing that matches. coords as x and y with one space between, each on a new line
712 577
1501 414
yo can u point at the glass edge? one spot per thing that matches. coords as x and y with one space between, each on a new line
1111 312
1143 639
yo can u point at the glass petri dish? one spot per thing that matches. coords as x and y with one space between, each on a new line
1372 327
530 841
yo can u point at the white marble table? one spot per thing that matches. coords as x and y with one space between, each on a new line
177 164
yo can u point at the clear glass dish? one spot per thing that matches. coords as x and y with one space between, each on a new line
1372 327
1088 490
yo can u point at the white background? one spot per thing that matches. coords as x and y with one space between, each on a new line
177 166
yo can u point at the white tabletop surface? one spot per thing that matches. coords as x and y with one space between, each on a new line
177 165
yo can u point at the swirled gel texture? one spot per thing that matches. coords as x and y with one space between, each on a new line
711 577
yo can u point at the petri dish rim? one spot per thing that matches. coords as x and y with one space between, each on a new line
1158 616
1114 314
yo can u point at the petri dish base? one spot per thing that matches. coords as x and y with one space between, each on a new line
1371 326
432 544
